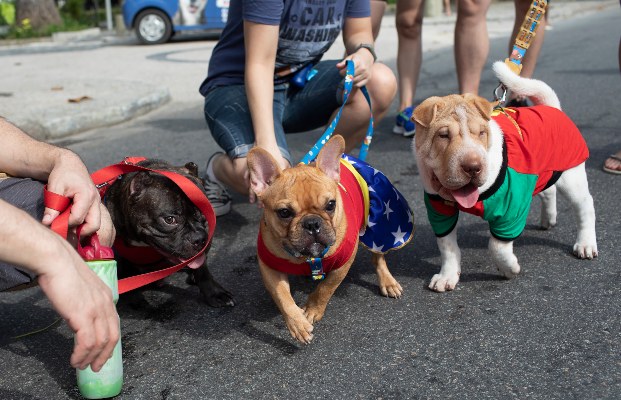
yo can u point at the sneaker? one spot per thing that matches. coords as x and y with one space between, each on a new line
404 124
217 194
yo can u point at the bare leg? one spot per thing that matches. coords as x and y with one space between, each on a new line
233 173
409 22
377 13
530 59
471 43
613 164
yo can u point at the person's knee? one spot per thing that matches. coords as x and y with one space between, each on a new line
382 88
472 9
409 24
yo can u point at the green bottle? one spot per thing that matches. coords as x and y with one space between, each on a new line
109 380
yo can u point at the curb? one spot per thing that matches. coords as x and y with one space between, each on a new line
63 119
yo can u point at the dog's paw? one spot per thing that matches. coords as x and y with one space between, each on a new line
585 250
300 327
313 313
391 288
442 283
547 223
219 299
215 295
510 269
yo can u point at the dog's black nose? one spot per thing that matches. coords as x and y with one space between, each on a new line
312 224
198 240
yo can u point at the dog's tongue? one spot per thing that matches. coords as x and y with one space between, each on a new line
198 261
466 196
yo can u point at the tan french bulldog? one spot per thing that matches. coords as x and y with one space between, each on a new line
311 213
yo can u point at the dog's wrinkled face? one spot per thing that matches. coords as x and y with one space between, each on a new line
452 140
160 215
302 205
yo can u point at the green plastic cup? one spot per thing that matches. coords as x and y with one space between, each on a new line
109 380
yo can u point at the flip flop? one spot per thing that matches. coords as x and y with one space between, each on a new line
611 170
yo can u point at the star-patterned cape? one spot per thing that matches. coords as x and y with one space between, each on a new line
390 223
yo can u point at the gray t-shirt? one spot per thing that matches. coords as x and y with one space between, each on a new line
307 29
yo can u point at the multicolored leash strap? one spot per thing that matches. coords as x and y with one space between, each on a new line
348 86
523 39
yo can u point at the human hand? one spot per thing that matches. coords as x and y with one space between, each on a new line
363 63
69 177
84 301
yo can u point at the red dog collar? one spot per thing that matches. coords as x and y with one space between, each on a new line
353 203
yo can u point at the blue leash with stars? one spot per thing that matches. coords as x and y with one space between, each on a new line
348 86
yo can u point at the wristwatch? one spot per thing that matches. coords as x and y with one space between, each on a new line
368 47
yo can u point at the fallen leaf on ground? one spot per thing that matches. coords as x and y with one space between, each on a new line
79 99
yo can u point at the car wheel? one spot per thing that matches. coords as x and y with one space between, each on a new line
153 27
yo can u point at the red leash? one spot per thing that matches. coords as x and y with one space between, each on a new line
105 177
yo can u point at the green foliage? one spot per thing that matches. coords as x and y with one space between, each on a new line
7 12
74 15
74 9
25 30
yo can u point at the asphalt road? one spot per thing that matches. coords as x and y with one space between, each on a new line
551 333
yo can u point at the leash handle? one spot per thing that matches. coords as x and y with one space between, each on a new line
94 250
526 34
105 176
347 88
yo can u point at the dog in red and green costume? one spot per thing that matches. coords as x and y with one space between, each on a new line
491 162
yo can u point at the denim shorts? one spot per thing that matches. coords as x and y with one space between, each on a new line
295 110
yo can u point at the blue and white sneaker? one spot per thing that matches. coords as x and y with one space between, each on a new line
404 124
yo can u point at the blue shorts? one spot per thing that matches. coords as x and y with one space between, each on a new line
295 110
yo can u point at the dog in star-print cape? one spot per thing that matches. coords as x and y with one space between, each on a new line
389 220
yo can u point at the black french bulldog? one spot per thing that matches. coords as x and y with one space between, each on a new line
149 209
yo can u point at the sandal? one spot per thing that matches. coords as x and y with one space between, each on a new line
613 170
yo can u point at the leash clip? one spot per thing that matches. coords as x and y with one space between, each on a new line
501 99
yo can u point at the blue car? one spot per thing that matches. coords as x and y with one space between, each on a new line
155 21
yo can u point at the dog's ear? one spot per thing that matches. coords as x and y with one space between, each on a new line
192 168
139 182
426 111
484 107
329 157
263 170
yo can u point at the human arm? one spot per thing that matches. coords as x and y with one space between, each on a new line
356 32
74 291
261 41
23 156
